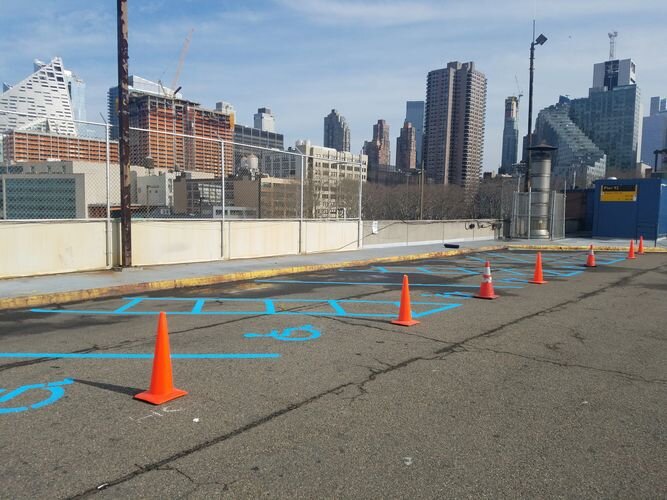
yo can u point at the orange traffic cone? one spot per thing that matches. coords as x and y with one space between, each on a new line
640 250
162 385
631 251
590 261
486 288
538 277
404 312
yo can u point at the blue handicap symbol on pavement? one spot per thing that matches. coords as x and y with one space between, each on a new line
55 388
286 334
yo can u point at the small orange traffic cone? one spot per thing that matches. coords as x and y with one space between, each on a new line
631 251
404 312
486 288
162 385
538 277
590 261
640 250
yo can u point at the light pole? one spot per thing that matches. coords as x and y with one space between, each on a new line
539 41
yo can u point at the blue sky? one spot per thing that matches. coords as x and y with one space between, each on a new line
365 58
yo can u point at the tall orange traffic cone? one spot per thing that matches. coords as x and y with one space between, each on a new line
405 312
162 385
640 250
590 261
486 288
631 251
538 277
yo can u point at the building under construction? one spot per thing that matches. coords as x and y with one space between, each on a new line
28 145
179 134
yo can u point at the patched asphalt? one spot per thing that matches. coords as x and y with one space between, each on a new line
553 390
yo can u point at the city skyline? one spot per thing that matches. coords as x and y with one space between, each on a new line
335 72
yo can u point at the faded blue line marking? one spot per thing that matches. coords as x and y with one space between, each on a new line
269 306
109 355
337 308
133 302
370 283
199 305
445 307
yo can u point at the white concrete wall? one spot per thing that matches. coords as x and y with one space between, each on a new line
32 248
259 238
329 236
175 241
399 233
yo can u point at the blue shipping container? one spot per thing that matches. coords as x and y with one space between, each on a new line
628 208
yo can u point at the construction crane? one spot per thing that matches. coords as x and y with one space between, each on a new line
612 44
181 60
518 88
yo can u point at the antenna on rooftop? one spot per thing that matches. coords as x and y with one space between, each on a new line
612 44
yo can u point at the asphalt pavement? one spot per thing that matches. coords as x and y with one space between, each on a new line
300 386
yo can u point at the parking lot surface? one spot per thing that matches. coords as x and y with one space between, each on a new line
300 386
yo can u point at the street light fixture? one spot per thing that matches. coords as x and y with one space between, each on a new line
539 41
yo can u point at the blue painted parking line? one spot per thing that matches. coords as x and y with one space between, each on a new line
119 355
429 270
449 295
337 308
371 283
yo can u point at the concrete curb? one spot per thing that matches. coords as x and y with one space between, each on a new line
29 301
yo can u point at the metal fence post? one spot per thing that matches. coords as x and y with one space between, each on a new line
564 212
530 214
303 162
108 188
360 223
553 213
222 198
4 197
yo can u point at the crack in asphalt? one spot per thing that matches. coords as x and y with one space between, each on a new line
360 385
565 364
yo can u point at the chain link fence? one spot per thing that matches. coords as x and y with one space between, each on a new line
525 220
179 168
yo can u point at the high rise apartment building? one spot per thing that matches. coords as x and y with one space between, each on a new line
179 134
264 120
510 132
406 148
414 113
577 157
610 115
336 132
136 85
76 88
654 131
42 99
615 73
378 149
454 124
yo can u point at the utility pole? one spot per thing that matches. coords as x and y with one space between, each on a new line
124 136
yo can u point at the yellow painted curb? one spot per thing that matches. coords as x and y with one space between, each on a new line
562 248
29 301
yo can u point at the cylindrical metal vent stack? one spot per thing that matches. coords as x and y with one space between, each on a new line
540 182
